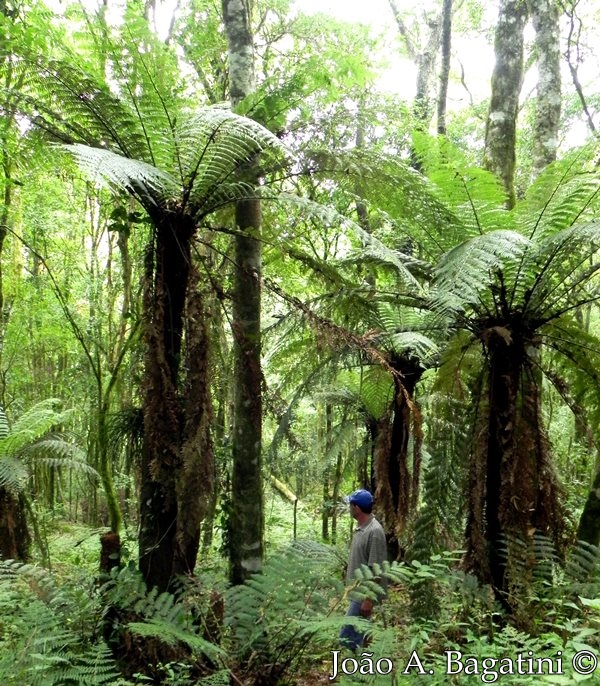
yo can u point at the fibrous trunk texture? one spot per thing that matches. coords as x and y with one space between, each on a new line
545 18
396 483
15 539
507 78
513 489
177 459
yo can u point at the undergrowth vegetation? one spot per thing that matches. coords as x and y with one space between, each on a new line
281 627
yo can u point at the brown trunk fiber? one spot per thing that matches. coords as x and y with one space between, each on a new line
166 287
514 490
15 539
394 481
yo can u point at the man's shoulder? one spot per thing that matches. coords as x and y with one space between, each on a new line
375 525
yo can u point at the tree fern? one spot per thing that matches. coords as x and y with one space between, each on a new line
41 642
280 614
30 440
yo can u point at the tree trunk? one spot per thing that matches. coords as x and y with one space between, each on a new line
500 134
445 66
247 514
514 492
545 18
176 454
15 539
392 474
589 522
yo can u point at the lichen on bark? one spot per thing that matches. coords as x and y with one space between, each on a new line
507 77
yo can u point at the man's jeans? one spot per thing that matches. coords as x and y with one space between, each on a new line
350 637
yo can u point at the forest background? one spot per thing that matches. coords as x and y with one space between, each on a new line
253 258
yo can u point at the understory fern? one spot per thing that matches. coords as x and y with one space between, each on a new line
44 638
286 614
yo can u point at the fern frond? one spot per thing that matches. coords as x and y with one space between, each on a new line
562 272
33 424
139 178
565 193
372 388
476 197
74 106
328 216
467 270
58 453
172 635
13 473
214 141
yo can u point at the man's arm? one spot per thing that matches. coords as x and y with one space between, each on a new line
377 554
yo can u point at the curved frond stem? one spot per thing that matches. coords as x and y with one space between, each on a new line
569 287
139 115
585 206
574 306
87 103
350 339
194 173
472 204
566 174
570 343
540 274
163 104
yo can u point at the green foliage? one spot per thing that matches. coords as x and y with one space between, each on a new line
281 618
48 633
160 615
33 439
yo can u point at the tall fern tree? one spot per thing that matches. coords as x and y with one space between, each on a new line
515 287
140 136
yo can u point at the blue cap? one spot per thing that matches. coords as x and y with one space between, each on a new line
361 498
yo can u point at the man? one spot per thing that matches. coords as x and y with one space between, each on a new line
368 546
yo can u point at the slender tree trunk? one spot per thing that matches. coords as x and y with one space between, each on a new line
445 66
335 495
247 516
500 135
425 58
575 59
545 18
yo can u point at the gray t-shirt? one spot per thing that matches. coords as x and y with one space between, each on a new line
368 546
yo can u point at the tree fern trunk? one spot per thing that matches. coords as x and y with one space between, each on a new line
167 273
247 516
588 529
15 539
500 135
521 496
392 473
